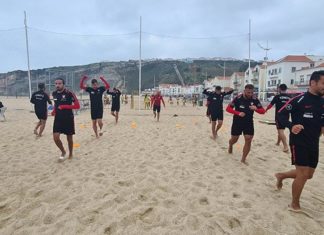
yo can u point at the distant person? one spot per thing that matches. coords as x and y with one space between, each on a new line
178 100
184 101
115 106
306 127
243 107
194 100
215 107
2 111
156 103
280 100
147 101
95 93
64 103
40 99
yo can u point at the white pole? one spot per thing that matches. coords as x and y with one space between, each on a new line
224 71
154 82
249 50
140 66
29 78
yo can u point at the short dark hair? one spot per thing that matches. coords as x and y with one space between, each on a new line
41 86
283 87
93 81
61 80
219 88
249 86
316 76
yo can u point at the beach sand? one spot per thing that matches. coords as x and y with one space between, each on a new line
144 177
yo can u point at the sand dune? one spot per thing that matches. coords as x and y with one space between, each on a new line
144 177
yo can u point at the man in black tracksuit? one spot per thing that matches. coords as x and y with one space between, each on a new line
215 107
306 126
115 104
279 101
40 99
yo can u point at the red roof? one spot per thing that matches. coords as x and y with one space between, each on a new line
320 66
295 58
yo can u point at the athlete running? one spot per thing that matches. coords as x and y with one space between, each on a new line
115 106
40 100
96 104
156 104
215 107
280 100
64 118
243 107
306 126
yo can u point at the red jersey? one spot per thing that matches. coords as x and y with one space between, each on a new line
156 100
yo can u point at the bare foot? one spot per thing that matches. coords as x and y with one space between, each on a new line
100 133
294 208
213 137
278 143
279 181
285 150
38 136
70 156
35 132
230 149
244 162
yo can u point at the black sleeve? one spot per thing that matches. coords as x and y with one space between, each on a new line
274 100
88 89
32 100
257 103
109 93
102 89
205 92
283 114
228 93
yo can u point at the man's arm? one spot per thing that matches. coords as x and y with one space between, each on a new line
259 108
32 99
163 101
82 85
230 108
205 92
273 101
285 111
230 91
48 99
107 86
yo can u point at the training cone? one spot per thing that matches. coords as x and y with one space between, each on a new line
76 145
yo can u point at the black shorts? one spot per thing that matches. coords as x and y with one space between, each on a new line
279 125
247 128
96 113
217 115
115 108
304 156
64 126
41 115
157 108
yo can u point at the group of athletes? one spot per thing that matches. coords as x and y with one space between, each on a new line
306 111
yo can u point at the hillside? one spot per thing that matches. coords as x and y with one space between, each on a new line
16 82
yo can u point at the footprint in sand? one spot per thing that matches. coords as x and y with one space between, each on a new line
234 223
203 201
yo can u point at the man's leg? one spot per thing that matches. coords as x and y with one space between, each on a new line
39 123
94 127
100 123
219 125
278 139
232 141
282 136
154 114
42 127
113 113
284 175
213 126
116 117
158 116
247 147
58 142
303 173
70 143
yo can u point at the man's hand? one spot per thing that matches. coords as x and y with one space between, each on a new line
253 107
296 129
242 114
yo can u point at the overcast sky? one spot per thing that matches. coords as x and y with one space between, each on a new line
291 27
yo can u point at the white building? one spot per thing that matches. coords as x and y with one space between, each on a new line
283 71
302 76
237 81
175 89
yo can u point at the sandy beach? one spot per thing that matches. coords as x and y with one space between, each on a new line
144 177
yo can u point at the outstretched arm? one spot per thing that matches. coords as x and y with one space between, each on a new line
163 102
230 109
107 86
82 86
